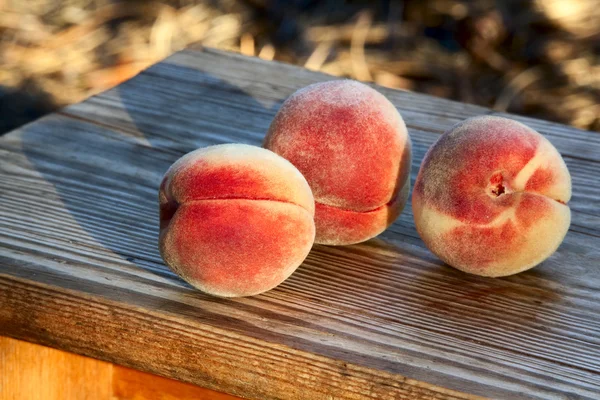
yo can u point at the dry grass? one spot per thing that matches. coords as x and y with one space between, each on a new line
540 58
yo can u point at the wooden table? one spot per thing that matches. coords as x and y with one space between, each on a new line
385 319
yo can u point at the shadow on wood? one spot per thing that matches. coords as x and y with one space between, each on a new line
123 216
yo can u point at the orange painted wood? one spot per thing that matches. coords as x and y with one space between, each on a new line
34 372
31 371
130 384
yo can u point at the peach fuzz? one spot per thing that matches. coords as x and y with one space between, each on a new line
491 197
352 146
235 220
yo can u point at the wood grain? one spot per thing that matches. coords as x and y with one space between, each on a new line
79 267
34 372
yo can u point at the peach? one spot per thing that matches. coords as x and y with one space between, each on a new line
491 197
352 146
235 220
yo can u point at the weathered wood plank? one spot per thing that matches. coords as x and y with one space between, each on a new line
79 267
187 347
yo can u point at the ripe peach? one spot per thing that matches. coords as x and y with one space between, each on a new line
491 197
352 146
235 220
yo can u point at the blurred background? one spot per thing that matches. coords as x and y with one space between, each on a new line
539 58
